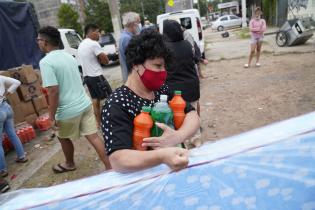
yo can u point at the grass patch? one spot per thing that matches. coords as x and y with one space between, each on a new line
243 33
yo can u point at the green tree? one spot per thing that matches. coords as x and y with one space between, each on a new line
97 12
148 9
269 10
203 6
68 18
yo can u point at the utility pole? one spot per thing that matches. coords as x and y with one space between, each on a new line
244 24
142 10
82 13
114 11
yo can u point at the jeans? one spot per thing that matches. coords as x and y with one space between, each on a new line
7 124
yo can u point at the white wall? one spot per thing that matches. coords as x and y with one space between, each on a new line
297 7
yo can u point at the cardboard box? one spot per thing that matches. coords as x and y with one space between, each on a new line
25 74
39 76
18 113
13 99
39 103
31 119
28 108
5 73
43 112
27 92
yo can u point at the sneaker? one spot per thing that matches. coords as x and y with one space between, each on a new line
3 173
257 65
4 186
21 160
246 65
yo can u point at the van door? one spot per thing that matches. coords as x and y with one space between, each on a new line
73 41
190 21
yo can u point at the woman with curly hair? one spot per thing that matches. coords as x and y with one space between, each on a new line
146 56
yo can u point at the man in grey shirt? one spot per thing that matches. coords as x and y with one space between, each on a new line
132 25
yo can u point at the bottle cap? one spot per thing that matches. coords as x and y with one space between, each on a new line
146 109
178 92
163 97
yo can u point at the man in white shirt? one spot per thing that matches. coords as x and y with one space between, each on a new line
91 56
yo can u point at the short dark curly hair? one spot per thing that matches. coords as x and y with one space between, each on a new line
149 44
90 27
51 34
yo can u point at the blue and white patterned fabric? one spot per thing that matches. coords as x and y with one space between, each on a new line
270 168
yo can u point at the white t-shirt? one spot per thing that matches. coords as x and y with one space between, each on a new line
11 83
87 54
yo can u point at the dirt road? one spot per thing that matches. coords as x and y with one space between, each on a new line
235 99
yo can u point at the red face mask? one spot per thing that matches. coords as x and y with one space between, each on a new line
153 80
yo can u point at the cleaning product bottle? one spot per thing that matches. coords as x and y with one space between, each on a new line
178 105
162 113
142 127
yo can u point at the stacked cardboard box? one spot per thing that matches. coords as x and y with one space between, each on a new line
27 102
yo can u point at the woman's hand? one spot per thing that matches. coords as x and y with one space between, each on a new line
169 138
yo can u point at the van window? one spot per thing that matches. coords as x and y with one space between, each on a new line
186 22
106 39
73 39
224 19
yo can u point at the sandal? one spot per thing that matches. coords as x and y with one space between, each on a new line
246 65
4 173
4 186
61 169
21 160
257 65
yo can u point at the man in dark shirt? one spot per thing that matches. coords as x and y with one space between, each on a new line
181 72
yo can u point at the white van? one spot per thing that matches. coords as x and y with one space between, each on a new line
189 18
70 41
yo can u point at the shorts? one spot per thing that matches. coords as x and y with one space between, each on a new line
256 40
92 84
81 125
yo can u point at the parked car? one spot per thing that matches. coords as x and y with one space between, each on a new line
226 21
108 43
213 16
205 23
190 19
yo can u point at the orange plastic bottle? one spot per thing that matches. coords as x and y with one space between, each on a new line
31 132
38 123
27 134
142 128
178 105
47 123
20 135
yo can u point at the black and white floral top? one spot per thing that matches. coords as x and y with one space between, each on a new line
118 113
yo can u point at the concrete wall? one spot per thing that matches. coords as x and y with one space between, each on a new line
301 8
47 11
